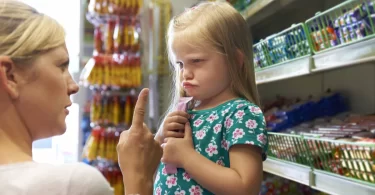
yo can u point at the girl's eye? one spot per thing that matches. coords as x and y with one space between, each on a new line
196 60
180 65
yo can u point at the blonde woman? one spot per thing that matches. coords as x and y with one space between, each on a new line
35 86
218 144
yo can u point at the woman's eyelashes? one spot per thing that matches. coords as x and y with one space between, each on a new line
64 66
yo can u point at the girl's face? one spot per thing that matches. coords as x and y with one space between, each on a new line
204 73
44 94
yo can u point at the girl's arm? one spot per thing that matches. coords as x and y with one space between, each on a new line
244 176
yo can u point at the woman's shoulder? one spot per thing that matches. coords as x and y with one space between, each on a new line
87 179
72 178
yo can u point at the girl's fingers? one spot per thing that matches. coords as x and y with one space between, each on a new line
175 134
175 126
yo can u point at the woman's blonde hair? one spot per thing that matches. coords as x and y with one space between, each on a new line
25 33
217 26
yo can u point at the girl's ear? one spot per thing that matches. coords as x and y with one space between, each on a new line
240 58
7 77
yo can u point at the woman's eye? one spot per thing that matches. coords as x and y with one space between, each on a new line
63 67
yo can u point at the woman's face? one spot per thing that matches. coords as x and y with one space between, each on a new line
45 95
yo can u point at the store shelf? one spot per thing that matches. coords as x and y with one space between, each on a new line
319 180
355 54
255 7
261 9
349 55
337 185
295 172
295 68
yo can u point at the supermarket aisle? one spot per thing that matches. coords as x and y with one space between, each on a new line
316 80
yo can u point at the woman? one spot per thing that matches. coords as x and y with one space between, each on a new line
35 86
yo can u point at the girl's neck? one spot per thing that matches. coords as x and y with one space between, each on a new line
216 100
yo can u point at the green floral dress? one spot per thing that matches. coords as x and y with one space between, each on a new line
214 131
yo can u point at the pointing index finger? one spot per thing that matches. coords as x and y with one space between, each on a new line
140 108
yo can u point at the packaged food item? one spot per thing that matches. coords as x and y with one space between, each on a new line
107 73
135 44
331 34
126 72
116 111
118 36
109 37
128 111
105 7
182 105
98 41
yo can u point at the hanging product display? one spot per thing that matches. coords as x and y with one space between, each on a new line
113 74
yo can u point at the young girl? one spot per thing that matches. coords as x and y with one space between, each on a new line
219 144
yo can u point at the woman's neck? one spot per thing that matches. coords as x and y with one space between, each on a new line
15 141
14 150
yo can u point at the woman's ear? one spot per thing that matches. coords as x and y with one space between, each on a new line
7 77
240 57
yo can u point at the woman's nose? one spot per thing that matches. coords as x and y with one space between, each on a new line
73 88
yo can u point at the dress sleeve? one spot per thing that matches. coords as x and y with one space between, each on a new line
246 125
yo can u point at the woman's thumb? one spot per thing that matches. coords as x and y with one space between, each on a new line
188 131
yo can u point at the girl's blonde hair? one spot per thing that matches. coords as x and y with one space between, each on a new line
218 26
25 33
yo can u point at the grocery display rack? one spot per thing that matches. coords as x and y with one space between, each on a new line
344 24
284 46
307 160
114 75
330 166
329 52
284 55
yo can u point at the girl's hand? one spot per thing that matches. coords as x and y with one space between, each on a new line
176 151
173 126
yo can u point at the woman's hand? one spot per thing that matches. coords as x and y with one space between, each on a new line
176 151
173 126
138 153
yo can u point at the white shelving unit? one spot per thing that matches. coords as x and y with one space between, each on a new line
349 69
295 68
319 180
291 171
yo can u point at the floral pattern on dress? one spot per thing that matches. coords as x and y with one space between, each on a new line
214 132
